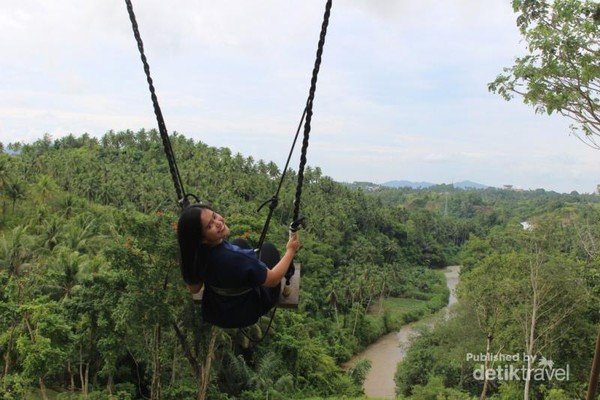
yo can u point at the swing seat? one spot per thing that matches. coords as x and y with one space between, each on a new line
290 294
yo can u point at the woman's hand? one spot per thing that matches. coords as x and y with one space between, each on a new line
293 243
275 274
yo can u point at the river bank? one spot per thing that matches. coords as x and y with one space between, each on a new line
390 349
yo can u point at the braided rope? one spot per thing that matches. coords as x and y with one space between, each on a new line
309 112
273 201
181 196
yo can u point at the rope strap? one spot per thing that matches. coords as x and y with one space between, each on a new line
230 292
182 198
309 110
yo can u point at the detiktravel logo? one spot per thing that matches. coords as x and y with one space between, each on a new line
513 367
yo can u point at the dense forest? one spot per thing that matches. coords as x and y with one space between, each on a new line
93 305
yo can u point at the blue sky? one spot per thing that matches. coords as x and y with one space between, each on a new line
402 92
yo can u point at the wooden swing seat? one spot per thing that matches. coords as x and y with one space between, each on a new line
290 294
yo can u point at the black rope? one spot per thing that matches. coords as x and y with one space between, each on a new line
274 201
182 197
308 114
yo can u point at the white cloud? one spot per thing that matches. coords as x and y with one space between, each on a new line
402 91
436 157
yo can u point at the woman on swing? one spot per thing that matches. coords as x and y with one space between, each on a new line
239 287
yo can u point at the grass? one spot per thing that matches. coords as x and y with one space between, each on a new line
394 312
35 394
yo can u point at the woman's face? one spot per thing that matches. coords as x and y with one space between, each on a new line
214 230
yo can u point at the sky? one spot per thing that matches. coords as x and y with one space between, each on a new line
401 94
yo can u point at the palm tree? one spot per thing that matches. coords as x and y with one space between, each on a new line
81 236
67 264
45 188
68 206
4 177
265 377
4 170
15 191
15 250
50 234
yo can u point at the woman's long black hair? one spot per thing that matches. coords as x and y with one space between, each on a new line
189 235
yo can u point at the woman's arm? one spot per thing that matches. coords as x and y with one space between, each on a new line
275 274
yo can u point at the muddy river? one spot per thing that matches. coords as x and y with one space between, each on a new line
391 348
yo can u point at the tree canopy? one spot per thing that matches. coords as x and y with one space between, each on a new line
561 72
92 304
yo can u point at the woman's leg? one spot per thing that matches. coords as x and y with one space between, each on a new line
269 255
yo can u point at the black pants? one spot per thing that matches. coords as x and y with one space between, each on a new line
268 253
270 256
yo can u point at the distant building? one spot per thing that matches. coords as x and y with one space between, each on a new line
526 226
514 189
